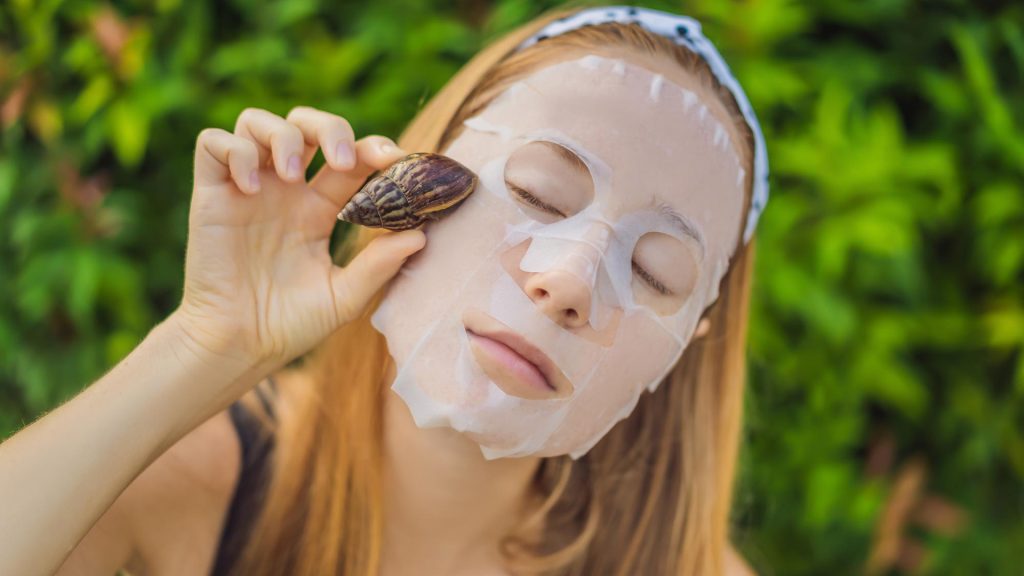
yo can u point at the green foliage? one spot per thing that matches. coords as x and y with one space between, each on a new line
887 321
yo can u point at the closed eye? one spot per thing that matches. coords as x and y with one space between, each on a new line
537 202
651 280
531 199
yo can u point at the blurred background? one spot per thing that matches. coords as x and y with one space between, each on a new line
885 408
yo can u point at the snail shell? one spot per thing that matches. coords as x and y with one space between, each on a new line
420 187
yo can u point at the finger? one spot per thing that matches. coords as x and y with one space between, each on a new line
277 140
355 284
372 153
331 132
221 156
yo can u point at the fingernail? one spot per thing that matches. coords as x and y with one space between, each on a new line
344 155
388 146
254 181
294 167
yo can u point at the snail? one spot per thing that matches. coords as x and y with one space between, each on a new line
420 187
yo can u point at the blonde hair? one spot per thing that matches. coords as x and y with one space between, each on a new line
652 497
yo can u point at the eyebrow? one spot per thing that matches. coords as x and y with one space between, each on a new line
682 224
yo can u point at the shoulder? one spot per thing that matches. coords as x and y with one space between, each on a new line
735 565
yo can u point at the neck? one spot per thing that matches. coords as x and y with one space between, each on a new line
447 506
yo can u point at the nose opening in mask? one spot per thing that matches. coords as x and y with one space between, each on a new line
579 255
565 289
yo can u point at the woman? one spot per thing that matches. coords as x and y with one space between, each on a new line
364 459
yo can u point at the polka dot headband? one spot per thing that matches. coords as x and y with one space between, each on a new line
686 31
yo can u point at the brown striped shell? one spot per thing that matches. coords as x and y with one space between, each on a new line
420 187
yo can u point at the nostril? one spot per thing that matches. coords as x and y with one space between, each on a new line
572 314
541 293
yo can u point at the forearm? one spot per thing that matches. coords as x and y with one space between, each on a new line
61 473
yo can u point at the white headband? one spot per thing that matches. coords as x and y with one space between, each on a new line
686 31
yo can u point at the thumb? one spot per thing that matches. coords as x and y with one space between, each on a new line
355 284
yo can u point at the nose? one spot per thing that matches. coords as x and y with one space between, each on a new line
564 291
562 296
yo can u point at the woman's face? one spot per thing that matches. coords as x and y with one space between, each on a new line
607 208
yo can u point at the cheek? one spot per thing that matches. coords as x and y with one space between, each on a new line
428 284
642 352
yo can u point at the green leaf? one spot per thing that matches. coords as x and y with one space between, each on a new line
128 130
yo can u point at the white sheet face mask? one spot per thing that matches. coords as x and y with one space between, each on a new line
576 284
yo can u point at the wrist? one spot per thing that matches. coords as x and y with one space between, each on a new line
200 381
209 353
199 342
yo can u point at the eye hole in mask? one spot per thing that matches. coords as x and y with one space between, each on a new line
549 182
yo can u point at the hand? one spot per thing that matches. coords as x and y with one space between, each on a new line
260 285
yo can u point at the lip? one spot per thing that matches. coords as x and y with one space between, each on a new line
481 325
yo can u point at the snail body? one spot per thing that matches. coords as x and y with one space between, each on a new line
421 187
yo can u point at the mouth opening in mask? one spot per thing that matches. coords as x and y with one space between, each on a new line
516 365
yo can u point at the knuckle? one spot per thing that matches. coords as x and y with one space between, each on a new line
249 148
378 140
244 117
244 150
291 133
248 114
251 116
299 110
343 125
207 134
325 122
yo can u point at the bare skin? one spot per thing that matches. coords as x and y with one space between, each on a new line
449 506
453 515
168 521
450 519
158 507
260 289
